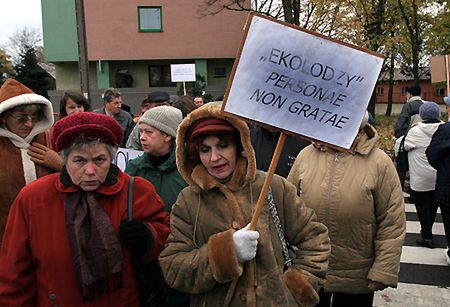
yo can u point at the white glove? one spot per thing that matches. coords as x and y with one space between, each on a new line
245 244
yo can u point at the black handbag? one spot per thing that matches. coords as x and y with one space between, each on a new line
401 160
152 286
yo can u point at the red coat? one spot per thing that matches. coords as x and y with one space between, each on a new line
36 267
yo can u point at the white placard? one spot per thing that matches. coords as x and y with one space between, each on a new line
301 82
182 72
124 155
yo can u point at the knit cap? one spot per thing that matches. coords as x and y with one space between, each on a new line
164 118
429 110
86 125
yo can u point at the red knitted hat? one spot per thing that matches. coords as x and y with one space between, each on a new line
208 126
86 125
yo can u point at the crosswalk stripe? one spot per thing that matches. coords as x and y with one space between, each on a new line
411 208
413 295
414 227
423 255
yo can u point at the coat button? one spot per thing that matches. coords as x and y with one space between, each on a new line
243 297
52 296
235 225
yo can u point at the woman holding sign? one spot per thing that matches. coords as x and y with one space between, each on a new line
358 196
211 253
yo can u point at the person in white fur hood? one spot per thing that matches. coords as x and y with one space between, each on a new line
25 154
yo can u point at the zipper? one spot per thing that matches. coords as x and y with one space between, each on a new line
330 186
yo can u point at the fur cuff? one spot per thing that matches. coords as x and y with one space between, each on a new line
222 257
302 291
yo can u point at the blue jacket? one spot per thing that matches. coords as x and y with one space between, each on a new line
438 154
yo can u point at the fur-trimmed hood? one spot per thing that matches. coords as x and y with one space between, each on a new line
195 174
13 94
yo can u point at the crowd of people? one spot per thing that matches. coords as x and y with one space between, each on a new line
75 229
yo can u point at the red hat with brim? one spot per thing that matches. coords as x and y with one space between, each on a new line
208 126
88 126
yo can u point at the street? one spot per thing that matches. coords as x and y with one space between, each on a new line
424 274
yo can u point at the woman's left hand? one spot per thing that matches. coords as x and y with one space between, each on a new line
376 286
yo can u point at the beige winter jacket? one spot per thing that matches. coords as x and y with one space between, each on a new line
199 257
358 197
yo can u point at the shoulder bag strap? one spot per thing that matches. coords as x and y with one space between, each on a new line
130 198
279 228
402 142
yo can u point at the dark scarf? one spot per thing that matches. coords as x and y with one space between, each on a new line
157 161
96 251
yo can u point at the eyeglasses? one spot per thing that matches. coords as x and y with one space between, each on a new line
25 117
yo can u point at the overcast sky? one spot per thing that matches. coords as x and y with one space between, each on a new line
18 14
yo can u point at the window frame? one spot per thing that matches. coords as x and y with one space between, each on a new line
440 91
224 75
380 90
161 74
140 30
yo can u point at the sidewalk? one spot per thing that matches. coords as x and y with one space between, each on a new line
411 295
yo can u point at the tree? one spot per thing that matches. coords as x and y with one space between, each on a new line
22 38
437 35
29 72
409 10
196 88
6 67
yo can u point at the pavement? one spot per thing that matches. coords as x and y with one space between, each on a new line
424 278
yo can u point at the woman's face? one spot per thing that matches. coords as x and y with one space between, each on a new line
72 107
88 166
218 156
22 122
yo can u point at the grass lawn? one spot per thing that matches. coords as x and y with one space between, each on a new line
385 128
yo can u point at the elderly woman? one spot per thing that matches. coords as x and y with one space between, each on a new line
209 241
422 176
25 117
68 241
357 195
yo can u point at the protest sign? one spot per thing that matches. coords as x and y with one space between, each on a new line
300 81
124 156
182 72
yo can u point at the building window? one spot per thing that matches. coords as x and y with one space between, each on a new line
150 18
160 76
220 72
440 91
380 90
404 88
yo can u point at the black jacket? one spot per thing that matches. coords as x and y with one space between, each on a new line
264 143
409 109
438 154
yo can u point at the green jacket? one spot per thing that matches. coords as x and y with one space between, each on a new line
166 179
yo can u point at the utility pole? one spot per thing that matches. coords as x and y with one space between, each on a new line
83 62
